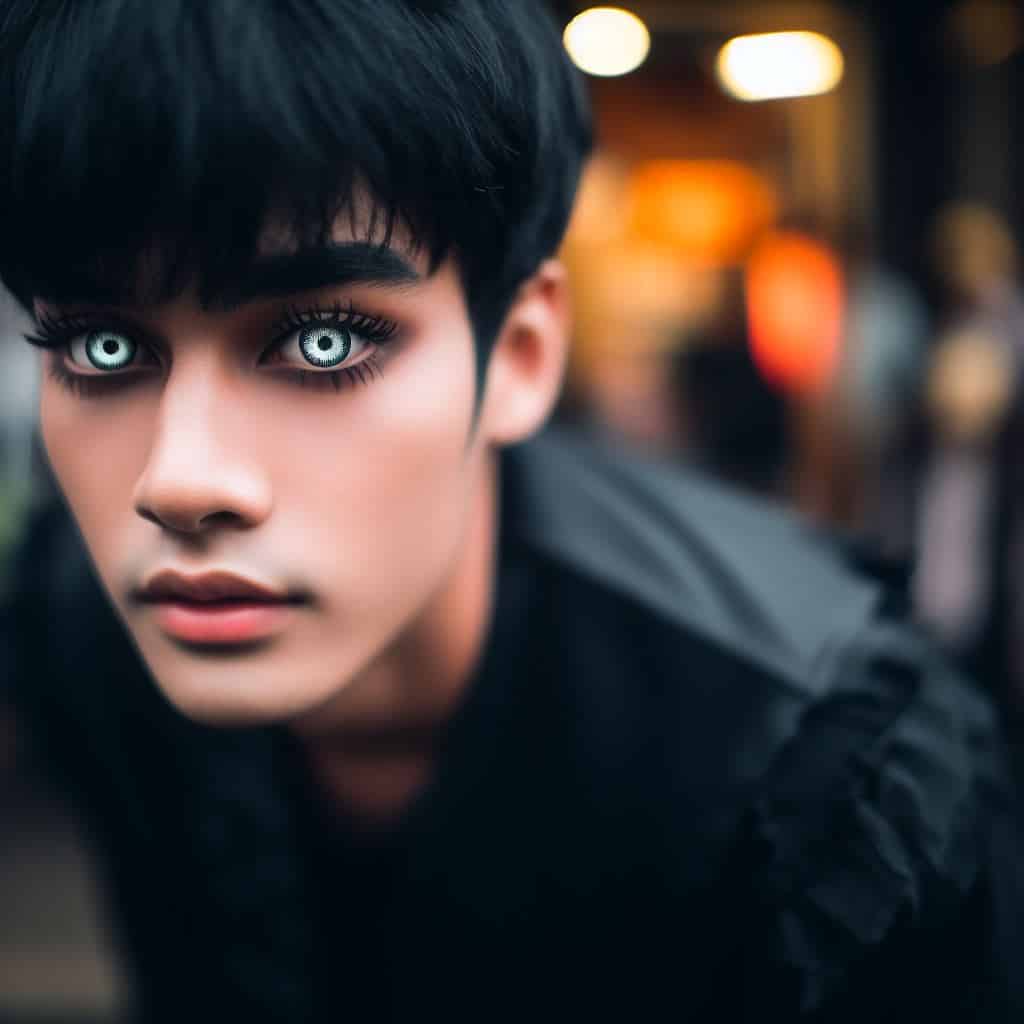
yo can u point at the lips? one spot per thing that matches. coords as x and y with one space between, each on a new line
216 607
208 588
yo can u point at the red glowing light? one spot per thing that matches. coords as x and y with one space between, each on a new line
795 311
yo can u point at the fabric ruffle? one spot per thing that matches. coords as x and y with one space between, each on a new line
867 824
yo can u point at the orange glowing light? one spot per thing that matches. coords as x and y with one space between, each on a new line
795 299
711 211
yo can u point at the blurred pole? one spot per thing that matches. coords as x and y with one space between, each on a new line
985 39
917 142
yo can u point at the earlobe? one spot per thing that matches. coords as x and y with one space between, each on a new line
528 361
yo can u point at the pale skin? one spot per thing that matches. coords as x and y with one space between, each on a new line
377 501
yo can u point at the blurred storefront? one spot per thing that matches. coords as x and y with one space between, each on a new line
907 107
795 263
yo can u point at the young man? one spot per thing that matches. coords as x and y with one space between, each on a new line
372 712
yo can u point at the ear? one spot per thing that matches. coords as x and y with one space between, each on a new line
527 362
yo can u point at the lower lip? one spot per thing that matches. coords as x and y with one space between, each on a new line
223 622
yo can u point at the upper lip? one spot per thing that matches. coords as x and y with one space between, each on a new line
208 586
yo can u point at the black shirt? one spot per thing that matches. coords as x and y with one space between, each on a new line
703 773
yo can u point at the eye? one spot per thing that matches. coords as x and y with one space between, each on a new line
102 350
325 346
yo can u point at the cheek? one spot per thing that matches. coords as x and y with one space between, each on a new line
421 427
391 465
96 453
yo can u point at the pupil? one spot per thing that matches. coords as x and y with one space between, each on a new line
110 347
323 344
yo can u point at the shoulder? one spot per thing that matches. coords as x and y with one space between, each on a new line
740 573
883 854
868 844
855 776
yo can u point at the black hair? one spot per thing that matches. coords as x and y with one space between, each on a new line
148 143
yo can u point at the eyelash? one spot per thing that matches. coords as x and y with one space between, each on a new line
56 333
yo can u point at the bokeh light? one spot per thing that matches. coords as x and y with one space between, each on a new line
607 41
712 211
795 301
776 65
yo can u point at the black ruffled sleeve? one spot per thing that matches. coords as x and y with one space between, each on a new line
885 879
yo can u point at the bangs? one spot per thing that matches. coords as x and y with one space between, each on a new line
151 142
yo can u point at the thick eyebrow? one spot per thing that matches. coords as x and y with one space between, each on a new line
312 268
271 276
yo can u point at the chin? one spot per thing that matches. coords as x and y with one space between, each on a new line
236 706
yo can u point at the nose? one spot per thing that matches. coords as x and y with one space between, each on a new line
200 472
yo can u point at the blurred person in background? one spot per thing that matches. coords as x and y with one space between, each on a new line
963 491
885 338
735 424
374 705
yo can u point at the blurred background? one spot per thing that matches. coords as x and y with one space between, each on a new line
795 260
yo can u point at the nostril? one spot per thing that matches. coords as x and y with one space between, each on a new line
191 500
149 516
183 523
214 518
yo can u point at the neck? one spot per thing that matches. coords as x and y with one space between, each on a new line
374 745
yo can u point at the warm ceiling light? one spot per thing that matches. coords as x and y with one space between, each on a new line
779 64
607 41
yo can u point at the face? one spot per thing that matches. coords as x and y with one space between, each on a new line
321 444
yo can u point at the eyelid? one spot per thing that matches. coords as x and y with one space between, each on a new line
371 331
85 370
370 326
57 331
